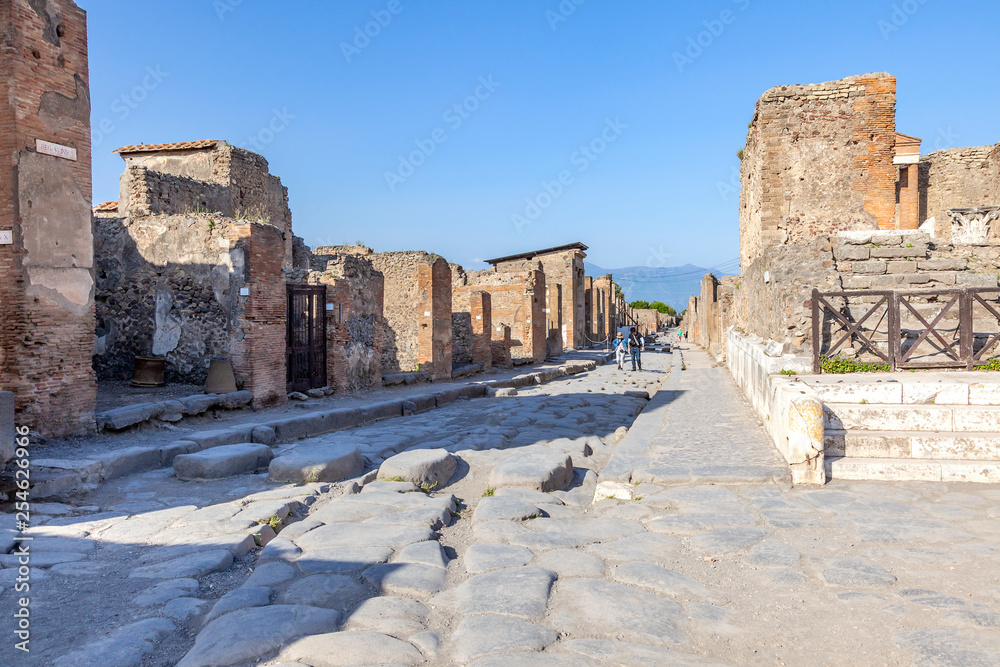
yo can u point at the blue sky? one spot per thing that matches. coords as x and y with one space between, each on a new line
537 82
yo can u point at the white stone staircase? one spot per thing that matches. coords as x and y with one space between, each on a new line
921 426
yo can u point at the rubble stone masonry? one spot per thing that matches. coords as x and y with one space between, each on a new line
959 178
517 301
818 159
46 273
472 327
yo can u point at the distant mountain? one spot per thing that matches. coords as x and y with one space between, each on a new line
672 285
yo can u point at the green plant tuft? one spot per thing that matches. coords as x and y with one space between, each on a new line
788 372
840 365
991 365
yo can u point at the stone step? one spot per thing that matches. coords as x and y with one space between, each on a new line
848 468
913 445
923 418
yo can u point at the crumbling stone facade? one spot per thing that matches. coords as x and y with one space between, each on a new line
564 280
355 296
417 313
472 327
818 159
959 178
46 262
517 307
204 176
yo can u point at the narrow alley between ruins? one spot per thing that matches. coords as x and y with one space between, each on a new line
542 525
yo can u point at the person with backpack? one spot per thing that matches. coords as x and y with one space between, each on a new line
619 345
635 347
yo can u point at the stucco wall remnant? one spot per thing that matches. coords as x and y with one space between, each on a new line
959 178
46 274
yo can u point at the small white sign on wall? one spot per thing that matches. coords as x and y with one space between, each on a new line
58 150
6 237
244 291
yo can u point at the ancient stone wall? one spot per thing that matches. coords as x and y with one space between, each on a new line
472 330
606 316
959 178
773 297
648 319
166 286
46 272
417 312
355 330
818 159
259 337
517 301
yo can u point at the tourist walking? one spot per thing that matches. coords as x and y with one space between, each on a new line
619 346
636 345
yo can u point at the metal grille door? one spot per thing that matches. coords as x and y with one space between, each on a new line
305 352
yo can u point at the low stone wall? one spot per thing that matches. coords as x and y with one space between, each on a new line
790 411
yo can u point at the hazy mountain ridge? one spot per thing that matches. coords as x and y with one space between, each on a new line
672 285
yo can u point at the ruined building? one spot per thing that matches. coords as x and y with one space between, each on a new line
46 243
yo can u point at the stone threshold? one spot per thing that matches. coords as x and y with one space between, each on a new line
57 477
172 411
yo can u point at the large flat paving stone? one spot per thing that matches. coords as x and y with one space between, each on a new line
342 560
330 591
484 557
320 463
432 467
225 461
240 598
659 579
652 547
166 591
539 469
125 646
344 649
605 609
598 528
514 591
547 659
362 535
424 553
856 573
951 647
772 553
247 634
479 636
194 565
725 541
413 579
509 508
607 652
568 563
396 616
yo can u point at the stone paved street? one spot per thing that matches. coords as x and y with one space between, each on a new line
556 538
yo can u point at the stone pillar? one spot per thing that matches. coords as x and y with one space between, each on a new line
482 328
588 312
536 320
553 305
434 319
46 235
260 338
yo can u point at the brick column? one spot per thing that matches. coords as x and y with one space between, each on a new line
434 319
536 324
480 306
46 263
258 348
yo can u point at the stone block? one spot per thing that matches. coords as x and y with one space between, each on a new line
197 404
540 470
294 428
128 461
447 396
888 280
857 282
968 279
892 253
169 452
130 415
420 466
854 238
423 402
228 436
225 461
943 277
851 252
916 278
383 410
943 264
236 399
320 463
7 428
872 267
901 266
886 238
263 435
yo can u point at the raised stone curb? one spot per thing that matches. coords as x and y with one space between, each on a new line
222 462
131 415
53 478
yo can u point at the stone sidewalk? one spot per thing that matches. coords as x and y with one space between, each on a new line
697 429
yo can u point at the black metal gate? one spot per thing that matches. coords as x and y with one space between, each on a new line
305 351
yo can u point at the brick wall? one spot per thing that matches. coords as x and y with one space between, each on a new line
818 159
46 275
959 178
434 318
472 326
517 301
604 286
258 348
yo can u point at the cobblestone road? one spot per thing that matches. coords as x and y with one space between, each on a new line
702 565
